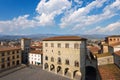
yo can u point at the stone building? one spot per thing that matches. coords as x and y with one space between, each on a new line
25 47
104 59
114 47
9 57
35 57
112 39
65 55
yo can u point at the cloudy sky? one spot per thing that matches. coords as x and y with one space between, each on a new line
59 17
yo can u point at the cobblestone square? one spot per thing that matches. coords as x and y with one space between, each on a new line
32 73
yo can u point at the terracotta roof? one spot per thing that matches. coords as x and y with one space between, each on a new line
117 53
93 49
109 72
4 48
64 38
115 44
114 36
35 52
36 46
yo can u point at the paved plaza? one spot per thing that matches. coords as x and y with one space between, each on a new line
32 73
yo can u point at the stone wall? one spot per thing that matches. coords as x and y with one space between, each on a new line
105 60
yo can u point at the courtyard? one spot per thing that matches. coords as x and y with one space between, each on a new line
32 73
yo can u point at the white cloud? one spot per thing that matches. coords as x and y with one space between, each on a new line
49 10
80 18
111 28
20 22
75 19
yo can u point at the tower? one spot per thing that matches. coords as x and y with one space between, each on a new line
25 46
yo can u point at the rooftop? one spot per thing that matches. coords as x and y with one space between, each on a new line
109 72
5 48
103 55
64 38
114 36
36 52
36 46
93 49
117 53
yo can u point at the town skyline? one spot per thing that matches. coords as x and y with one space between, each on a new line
60 17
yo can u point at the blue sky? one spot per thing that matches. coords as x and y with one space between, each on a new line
19 17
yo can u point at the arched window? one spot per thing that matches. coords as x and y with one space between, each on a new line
114 39
52 59
118 39
67 62
76 64
110 39
59 60
46 65
46 58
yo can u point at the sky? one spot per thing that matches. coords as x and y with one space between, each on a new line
21 17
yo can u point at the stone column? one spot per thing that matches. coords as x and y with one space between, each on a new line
71 74
48 67
55 69
43 66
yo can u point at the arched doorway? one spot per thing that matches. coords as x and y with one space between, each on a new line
52 68
59 70
67 72
77 75
46 66
90 73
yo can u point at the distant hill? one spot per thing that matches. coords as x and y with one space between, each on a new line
94 36
41 36
34 36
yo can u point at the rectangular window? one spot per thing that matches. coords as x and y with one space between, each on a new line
67 62
59 45
46 44
13 57
3 66
17 56
3 54
8 59
52 45
17 51
8 64
3 60
76 46
66 45
13 63
13 52
17 62
8 53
